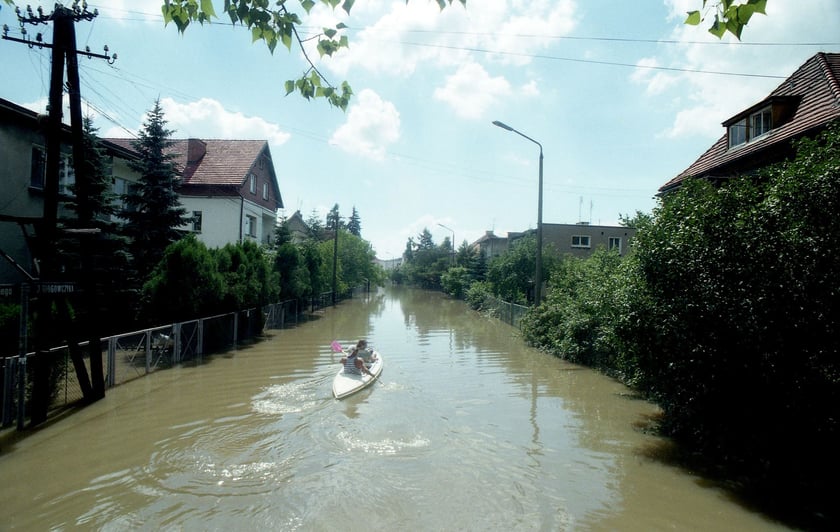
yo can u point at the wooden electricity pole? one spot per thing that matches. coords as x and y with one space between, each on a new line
64 53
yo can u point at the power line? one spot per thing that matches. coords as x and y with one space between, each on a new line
496 36
595 62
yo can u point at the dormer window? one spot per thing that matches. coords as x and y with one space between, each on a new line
750 127
738 133
760 122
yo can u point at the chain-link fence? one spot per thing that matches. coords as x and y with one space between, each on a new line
135 354
510 313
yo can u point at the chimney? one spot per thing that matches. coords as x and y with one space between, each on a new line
196 148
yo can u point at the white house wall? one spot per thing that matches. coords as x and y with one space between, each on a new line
219 219
223 220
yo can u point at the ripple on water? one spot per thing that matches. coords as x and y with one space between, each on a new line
288 398
385 446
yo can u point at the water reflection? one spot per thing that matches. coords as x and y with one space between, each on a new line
466 429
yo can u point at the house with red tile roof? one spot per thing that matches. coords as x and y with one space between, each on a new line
229 188
803 105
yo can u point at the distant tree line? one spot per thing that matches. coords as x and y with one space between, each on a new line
726 313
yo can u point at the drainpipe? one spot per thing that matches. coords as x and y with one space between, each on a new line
241 216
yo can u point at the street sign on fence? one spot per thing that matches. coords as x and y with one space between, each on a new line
53 287
8 290
38 287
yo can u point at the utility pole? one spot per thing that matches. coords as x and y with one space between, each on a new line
335 257
64 53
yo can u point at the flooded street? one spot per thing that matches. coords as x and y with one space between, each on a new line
467 429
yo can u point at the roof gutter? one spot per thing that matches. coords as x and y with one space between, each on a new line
241 215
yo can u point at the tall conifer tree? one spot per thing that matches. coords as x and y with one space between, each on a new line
153 213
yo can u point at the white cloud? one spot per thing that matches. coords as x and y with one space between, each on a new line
40 106
372 125
530 89
412 34
207 118
702 101
471 91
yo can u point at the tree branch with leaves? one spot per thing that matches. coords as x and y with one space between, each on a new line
729 15
273 24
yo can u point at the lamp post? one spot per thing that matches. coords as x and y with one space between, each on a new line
453 242
538 275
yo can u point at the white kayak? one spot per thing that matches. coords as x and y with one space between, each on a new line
345 384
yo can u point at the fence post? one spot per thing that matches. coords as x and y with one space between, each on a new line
9 366
148 351
21 392
235 329
200 347
176 345
112 362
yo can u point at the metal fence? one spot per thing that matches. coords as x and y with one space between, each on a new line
510 313
131 355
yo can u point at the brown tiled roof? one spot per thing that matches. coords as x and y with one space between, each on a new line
223 162
815 86
226 162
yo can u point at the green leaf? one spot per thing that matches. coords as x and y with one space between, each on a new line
759 5
694 18
718 29
734 27
307 5
330 32
207 8
256 34
286 36
348 5
167 14
290 86
745 12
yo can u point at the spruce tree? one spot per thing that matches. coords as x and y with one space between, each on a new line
333 219
154 216
316 226
354 225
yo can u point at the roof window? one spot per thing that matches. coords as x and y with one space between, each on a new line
750 127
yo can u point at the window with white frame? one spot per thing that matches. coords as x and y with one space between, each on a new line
760 122
580 241
751 127
196 221
615 243
251 226
265 191
738 133
253 184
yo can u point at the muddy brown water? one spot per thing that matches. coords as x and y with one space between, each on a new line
467 429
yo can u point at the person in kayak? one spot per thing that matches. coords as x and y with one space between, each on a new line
355 362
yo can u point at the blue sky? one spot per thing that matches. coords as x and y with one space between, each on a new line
620 95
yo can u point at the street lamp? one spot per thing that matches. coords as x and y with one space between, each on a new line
453 242
538 275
